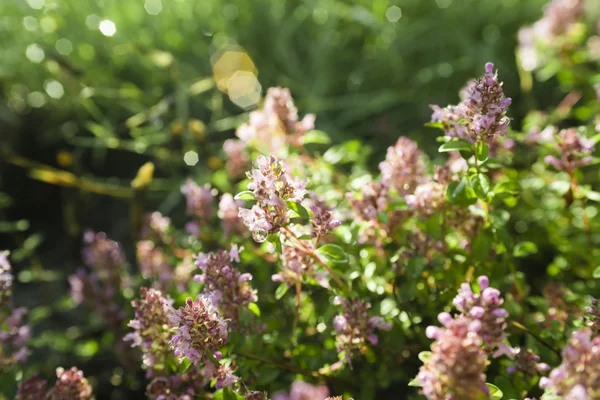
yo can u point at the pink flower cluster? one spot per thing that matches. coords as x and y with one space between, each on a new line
32 388
199 200
14 334
485 311
224 283
404 167
354 328
177 387
277 123
301 390
101 288
272 187
297 264
151 329
228 213
560 16
200 334
578 376
70 385
455 368
6 280
481 115
527 362
574 151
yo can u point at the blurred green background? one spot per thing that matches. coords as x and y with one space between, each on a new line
91 90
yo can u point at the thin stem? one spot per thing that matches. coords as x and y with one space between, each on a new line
536 337
311 253
286 367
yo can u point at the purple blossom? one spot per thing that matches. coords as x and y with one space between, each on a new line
560 17
200 330
295 265
592 316
427 198
177 387
354 329
404 167
222 280
485 309
104 256
276 124
455 369
70 385
301 390
14 334
527 362
578 376
272 187
237 158
574 151
322 220
33 388
156 228
6 280
151 328
228 212
153 262
482 113
199 200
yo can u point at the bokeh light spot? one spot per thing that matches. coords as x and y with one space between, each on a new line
48 24
31 23
230 12
36 99
228 60
244 89
393 14
36 4
93 22
191 158
320 16
153 7
107 27
443 3
54 89
64 46
35 53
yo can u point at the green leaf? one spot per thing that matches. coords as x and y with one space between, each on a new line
591 195
480 184
481 248
281 291
245 195
524 249
333 253
596 273
229 394
455 145
276 241
437 125
297 208
316 136
415 382
460 193
482 150
254 308
185 365
424 356
509 187
495 392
